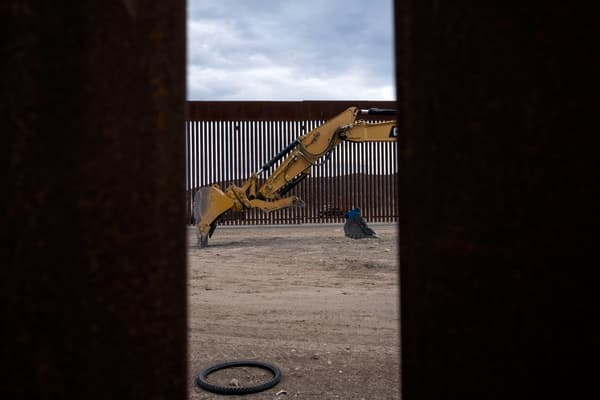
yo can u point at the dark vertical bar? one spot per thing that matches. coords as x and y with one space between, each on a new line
322 190
261 148
212 158
333 170
386 182
498 198
276 141
293 212
359 174
238 155
231 151
375 186
220 155
391 185
297 212
205 157
257 159
307 185
193 161
225 153
312 187
245 165
326 189
350 177
345 180
341 162
287 139
395 168
356 173
372 193
198 139
369 175
393 179
190 155
93 276
250 166
280 140
241 132
194 155
317 187
209 154
380 183
260 152
236 169
188 127
249 149
270 148
257 164
236 165
214 152
333 179
198 149
224 156
355 177
342 159
253 154
289 212
362 172
383 180
369 167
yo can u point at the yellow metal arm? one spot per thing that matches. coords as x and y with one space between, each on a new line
211 202
319 141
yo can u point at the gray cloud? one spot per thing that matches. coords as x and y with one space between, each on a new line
290 50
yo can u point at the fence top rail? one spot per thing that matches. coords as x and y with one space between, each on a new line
275 110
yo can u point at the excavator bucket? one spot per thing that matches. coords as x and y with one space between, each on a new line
209 204
356 227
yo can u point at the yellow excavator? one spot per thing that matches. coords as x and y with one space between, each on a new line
211 202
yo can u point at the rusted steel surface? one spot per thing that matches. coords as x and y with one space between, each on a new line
93 276
224 150
275 110
498 160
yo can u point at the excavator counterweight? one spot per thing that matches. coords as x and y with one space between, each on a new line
211 202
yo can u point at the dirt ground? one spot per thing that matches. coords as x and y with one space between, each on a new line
320 306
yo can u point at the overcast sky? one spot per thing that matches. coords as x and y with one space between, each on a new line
290 50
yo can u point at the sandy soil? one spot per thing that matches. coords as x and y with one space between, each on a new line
319 305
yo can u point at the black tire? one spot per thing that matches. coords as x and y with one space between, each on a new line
202 382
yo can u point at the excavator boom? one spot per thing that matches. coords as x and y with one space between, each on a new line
211 202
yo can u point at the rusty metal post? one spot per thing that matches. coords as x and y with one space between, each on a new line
497 181
93 276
